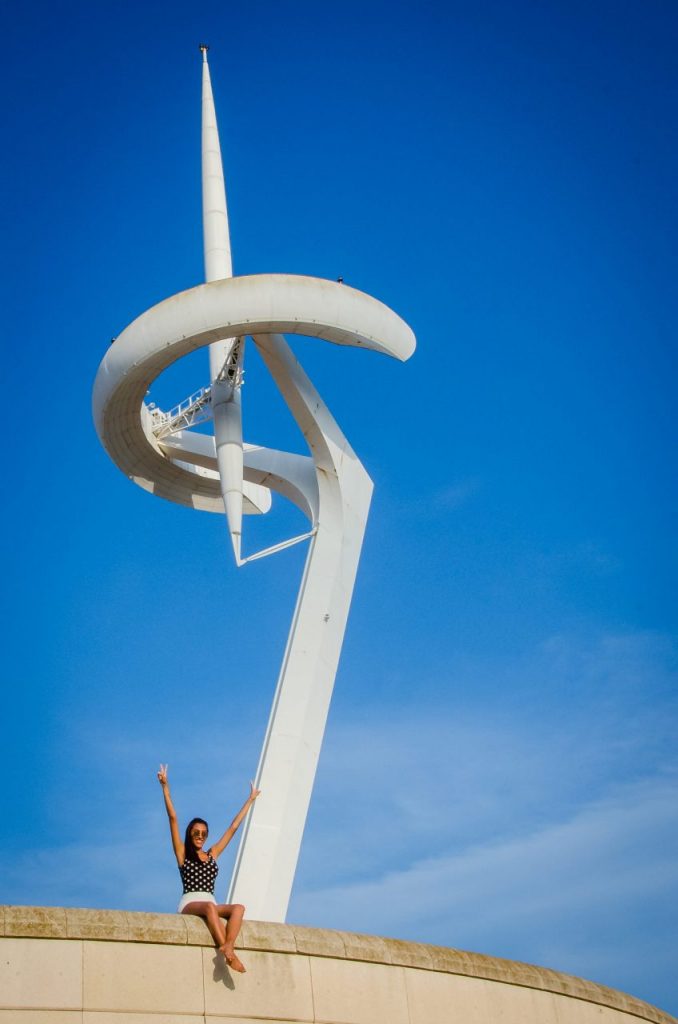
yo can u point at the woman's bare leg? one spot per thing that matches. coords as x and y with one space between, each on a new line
212 920
233 912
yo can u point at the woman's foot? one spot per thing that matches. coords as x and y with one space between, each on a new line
233 961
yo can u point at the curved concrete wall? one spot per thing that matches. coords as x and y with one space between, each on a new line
62 966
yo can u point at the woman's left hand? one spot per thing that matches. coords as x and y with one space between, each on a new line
254 793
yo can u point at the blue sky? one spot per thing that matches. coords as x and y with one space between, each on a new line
499 771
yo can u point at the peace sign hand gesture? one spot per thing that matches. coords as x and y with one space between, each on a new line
162 774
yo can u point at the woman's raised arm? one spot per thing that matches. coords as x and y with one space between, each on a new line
177 844
235 824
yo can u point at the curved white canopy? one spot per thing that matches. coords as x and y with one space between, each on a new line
257 304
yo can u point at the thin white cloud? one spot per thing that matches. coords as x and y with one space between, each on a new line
613 850
442 777
512 826
440 501
579 895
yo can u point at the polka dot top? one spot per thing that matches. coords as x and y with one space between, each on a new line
199 875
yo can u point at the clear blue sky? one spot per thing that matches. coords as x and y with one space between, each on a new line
499 771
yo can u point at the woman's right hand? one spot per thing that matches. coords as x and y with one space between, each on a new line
162 774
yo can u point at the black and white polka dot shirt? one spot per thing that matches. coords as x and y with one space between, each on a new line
199 875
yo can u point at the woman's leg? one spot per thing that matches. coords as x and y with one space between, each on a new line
233 912
212 918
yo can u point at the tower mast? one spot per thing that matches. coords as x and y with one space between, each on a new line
225 356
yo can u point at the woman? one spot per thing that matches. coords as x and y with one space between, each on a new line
199 870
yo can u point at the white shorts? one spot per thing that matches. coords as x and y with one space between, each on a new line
195 897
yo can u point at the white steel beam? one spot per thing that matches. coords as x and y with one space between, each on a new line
269 848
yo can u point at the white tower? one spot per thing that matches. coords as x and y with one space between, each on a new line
218 473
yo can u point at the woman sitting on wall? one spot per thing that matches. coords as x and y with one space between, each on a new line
199 870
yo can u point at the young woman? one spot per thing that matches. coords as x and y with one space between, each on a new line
199 870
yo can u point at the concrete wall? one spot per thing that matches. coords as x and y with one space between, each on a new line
62 966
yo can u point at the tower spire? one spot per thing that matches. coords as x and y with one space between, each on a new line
228 353
217 243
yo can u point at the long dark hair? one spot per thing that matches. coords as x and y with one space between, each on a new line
190 852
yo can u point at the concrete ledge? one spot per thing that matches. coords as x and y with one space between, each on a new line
328 976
